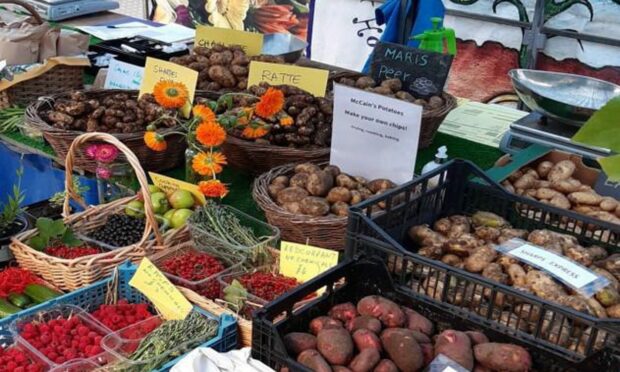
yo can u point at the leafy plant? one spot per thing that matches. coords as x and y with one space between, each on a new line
13 208
58 198
50 231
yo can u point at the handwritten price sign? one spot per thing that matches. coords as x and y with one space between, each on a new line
311 80
304 262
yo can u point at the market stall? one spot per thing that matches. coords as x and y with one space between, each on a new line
215 190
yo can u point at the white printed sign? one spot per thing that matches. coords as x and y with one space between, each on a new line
374 136
562 268
122 75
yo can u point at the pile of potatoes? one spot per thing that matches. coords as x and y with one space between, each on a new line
379 335
320 192
468 243
554 184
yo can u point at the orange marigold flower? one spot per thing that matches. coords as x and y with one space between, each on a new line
155 141
286 121
208 163
204 113
213 188
270 103
210 134
254 132
170 94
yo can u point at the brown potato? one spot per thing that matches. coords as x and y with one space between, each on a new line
585 198
343 180
517 275
613 311
314 206
515 176
578 254
462 246
562 170
280 180
339 194
365 193
613 281
340 209
596 308
545 193
300 180
560 201
336 345
566 186
452 260
380 185
494 272
442 226
543 168
291 194
480 258
293 207
361 180
307 168
525 182
356 197
609 204
543 286
333 170
319 183
608 296
488 234
597 253
274 189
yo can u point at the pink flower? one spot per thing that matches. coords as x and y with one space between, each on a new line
106 153
91 151
103 173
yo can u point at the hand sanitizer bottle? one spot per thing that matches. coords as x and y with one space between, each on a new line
440 158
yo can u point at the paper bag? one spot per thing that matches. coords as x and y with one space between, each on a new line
20 42
48 44
72 43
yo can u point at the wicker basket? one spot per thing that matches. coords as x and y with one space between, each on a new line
324 232
61 140
75 273
60 78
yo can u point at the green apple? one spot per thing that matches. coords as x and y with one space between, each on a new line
181 199
153 189
179 217
135 209
159 202
169 214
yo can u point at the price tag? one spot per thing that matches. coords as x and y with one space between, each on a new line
311 80
303 262
562 268
157 70
163 294
170 185
122 75
251 42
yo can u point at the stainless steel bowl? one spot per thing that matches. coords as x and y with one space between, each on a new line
284 45
570 99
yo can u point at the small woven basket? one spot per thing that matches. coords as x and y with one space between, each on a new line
61 140
59 79
70 274
324 232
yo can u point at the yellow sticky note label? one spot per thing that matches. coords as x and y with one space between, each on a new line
157 288
157 70
170 185
251 42
309 79
303 262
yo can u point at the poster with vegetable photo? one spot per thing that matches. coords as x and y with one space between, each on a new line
266 16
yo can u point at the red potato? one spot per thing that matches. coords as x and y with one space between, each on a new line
313 360
336 346
386 365
365 339
343 312
479 368
418 322
340 369
388 312
420 337
504 357
402 348
456 346
365 361
364 322
323 322
296 342
428 352
477 337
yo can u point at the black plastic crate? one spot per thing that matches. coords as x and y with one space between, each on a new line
352 280
462 188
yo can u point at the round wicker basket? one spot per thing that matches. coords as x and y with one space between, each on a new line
324 232
61 140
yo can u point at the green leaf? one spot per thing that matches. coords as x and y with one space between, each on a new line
229 102
38 242
602 128
611 167
69 239
51 228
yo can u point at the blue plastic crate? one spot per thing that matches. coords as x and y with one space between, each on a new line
90 297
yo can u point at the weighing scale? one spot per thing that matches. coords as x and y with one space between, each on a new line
57 10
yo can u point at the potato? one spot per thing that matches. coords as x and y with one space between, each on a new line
456 346
516 275
340 369
604 216
274 189
507 234
421 338
365 193
596 308
418 322
545 193
366 339
343 312
609 204
323 322
333 170
543 286
313 360
365 361
291 194
488 234
319 183
527 181
462 246
428 353
608 296
494 272
451 259
336 345
542 184
339 194
509 187
488 219
585 198
379 185
515 176
356 197
280 180
480 258
314 206
613 281
364 322
293 207
578 254
388 312
503 357
543 168
296 342
307 168
532 172
386 365
342 180
613 311
479 368
361 180
442 226
562 170
477 337
300 180
403 349
566 186
586 209
340 209
560 201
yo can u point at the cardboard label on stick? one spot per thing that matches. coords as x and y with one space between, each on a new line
311 80
303 262
423 73
123 75
170 185
251 42
374 136
157 70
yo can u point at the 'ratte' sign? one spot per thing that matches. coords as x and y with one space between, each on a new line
423 73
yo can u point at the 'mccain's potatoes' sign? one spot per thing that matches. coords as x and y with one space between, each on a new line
423 73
